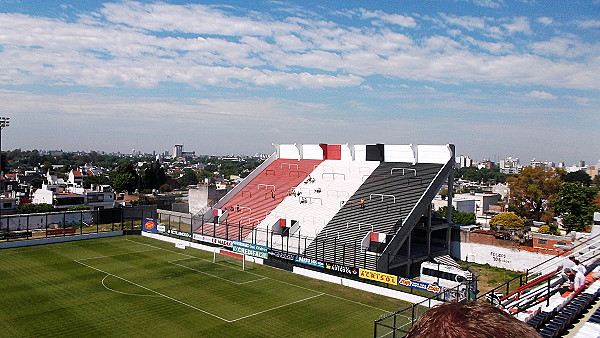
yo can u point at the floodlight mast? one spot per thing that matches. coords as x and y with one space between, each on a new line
4 122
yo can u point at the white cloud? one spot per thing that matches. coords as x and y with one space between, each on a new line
469 23
566 47
291 42
544 20
518 25
541 95
401 20
291 53
488 3
589 24
493 47
189 18
582 101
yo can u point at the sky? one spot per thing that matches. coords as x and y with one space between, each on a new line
497 78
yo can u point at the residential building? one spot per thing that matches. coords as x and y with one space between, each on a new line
486 164
510 165
461 204
464 162
502 189
544 164
483 201
177 150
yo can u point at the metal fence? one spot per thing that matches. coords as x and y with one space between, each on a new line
326 248
67 223
398 323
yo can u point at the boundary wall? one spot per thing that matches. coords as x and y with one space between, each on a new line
308 273
70 238
362 286
497 256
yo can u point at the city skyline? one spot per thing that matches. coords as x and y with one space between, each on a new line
496 79
169 152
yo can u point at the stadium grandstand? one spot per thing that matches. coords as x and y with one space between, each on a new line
360 206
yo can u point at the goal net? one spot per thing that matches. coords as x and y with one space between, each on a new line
235 259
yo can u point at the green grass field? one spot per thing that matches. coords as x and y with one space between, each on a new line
136 286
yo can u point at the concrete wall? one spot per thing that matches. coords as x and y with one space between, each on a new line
51 240
312 152
399 153
311 273
502 257
39 221
362 286
433 154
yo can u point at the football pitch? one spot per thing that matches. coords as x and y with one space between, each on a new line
136 286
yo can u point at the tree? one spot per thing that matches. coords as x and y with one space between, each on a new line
78 207
508 220
575 204
483 175
188 178
124 182
532 192
153 176
596 181
578 176
124 177
203 174
458 217
549 229
95 180
30 208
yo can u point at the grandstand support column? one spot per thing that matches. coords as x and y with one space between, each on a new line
429 230
409 249
450 183
448 238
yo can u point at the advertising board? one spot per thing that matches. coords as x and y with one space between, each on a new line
149 225
341 268
413 284
213 240
283 255
309 261
53 232
10 235
378 276
250 249
179 233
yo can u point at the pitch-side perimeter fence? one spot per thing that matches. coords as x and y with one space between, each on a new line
68 223
326 248
398 323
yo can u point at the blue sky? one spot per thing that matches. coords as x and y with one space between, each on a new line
497 78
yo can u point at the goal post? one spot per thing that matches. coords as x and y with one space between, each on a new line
233 258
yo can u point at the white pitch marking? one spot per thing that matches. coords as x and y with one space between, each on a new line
121 254
156 292
277 280
277 307
124 293
206 273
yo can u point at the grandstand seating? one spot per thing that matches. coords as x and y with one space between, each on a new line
334 183
562 319
259 197
329 222
551 317
390 194
590 328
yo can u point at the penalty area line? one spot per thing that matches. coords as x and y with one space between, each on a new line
156 292
277 307
273 279
214 276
